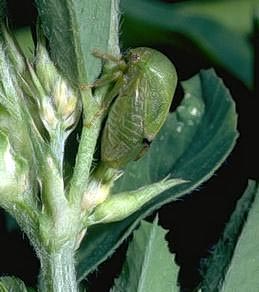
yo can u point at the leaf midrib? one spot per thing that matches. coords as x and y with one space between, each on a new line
75 38
145 265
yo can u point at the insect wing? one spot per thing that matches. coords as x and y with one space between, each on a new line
124 129
158 84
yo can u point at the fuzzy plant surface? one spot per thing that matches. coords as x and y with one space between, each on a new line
133 155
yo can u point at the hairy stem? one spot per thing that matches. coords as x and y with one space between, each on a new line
58 271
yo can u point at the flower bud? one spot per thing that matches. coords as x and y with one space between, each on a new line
44 67
48 114
66 103
58 102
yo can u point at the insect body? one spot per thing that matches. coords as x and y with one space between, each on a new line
141 107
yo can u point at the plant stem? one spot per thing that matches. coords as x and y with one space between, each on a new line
58 271
84 160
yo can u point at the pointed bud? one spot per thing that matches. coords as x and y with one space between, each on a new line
44 67
119 206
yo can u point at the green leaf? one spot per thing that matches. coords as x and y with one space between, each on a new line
25 41
11 96
74 29
149 266
242 274
15 116
11 284
156 23
224 11
215 267
124 204
192 144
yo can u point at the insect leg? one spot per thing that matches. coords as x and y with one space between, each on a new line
106 56
109 97
112 75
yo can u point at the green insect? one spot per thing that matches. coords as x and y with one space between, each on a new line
144 88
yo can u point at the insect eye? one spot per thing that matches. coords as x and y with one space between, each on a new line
134 58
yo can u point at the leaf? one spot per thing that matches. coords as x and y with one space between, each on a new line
149 265
126 203
214 268
192 144
74 29
10 94
25 41
242 274
11 284
155 23
224 11
15 117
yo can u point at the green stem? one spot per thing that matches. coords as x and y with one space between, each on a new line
84 160
90 134
58 271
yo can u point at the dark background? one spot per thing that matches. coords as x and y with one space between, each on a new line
196 222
